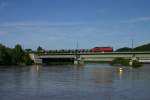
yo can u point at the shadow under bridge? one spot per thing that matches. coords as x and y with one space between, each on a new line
57 59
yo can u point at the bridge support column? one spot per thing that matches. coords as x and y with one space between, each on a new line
35 59
79 61
131 62
76 62
133 59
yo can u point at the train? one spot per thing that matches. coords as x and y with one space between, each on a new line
102 49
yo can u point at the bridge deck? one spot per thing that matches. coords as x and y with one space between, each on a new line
57 56
108 56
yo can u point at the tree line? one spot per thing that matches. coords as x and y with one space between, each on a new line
14 56
145 47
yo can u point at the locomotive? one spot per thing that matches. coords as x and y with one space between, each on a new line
102 49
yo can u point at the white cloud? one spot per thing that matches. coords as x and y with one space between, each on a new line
136 20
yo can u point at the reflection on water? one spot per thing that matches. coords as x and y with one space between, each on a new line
70 82
120 72
102 77
37 68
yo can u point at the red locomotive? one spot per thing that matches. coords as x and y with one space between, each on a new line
102 49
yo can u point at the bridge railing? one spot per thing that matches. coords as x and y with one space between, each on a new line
92 53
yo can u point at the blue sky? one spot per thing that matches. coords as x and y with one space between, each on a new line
57 24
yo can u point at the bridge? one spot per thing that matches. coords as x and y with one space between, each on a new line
143 57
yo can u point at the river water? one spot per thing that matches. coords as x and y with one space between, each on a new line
70 82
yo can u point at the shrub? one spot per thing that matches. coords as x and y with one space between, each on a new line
120 61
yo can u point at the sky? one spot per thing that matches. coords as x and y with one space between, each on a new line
62 24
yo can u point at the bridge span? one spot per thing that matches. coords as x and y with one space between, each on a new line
143 57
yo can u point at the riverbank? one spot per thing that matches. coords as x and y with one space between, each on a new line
126 62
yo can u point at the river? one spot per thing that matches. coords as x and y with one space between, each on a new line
70 82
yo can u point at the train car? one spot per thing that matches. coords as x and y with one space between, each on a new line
102 49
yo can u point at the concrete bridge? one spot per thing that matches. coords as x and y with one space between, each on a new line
143 57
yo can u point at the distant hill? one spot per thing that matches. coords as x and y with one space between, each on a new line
124 49
145 47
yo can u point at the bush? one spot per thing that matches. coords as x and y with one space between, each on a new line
120 61
27 60
125 62
136 64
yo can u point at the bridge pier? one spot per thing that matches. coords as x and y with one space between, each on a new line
35 59
78 61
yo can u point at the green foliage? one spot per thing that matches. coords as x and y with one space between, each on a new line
145 47
18 54
125 62
120 61
15 56
136 64
27 60
39 49
28 50
5 57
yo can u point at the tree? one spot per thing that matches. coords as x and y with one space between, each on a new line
8 59
5 55
27 60
145 47
15 56
2 54
18 54
28 50
39 49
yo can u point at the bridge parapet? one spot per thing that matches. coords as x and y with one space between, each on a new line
56 56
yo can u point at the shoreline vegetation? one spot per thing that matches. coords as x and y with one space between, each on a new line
14 56
126 62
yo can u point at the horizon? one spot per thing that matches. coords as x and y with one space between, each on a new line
114 49
55 24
